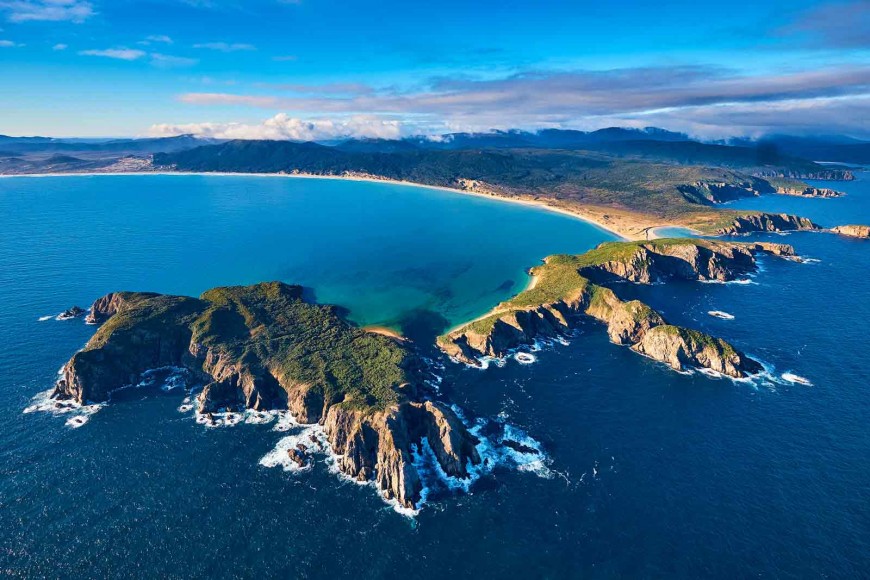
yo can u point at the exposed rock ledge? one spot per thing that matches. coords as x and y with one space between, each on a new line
568 288
808 191
854 231
766 222
263 347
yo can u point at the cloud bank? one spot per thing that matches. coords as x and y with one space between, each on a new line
47 10
705 101
284 127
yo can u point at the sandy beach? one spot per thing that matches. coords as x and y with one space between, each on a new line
612 221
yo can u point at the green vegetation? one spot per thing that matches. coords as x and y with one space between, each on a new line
269 328
698 340
561 279
668 185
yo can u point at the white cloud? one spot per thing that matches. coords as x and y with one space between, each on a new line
225 47
161 38
116 53
169 61
59 46
47 10
703 100
285 128
8 44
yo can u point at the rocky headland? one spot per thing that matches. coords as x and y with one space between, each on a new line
566 289
763 222
263 347
853 231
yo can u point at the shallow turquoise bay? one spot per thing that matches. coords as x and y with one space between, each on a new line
390 254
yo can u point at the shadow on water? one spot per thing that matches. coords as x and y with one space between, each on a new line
505 286
309 295
421 325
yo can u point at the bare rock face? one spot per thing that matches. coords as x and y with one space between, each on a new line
767 222
654 262
381 446
853 231
681 348
809 191
262 347
109 305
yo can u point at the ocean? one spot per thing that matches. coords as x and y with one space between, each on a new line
649 473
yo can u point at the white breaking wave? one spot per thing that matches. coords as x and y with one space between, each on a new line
79 414
720 314
793 378
47 317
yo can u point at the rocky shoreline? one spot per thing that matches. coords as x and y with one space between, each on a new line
853 231
569 289
263 347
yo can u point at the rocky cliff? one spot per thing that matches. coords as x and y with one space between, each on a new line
568 289
263 347
808 191
820 174
854 231
765 222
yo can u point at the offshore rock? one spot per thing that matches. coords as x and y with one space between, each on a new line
853 231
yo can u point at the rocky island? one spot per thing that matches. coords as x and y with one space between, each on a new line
853 231
567 288
264 347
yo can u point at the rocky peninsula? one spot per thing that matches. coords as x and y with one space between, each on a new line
567 288
263 347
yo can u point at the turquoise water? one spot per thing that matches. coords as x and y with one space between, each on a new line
391 254
652 473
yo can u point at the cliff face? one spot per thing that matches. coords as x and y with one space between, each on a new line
539 313
767 222
681 347
657 262
380 446
262 347
808 191
821 174
854 231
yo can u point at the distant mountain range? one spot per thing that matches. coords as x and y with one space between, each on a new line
777 155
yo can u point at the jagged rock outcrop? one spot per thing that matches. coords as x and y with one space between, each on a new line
853 231
707 192
379 446
682 347
766 222
656 262
70 313
263 347
108 305
568 288
821 175
808 191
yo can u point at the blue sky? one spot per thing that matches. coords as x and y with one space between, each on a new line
325 68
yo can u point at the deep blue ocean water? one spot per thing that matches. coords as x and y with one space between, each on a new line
655 473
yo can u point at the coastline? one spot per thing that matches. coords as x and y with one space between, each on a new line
619 233
383 330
